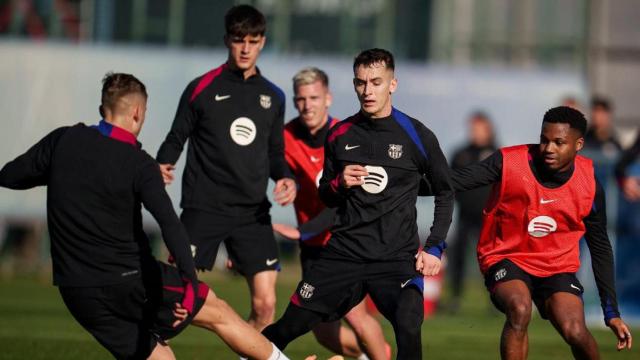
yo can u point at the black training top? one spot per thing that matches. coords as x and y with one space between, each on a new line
97 178
235 132
377 221
489 172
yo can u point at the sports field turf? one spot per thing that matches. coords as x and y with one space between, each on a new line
34 324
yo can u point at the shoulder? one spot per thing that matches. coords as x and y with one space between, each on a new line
342 127
274 90
197 85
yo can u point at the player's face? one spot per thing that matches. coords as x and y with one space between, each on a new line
312 101
480 132
244 51
559 144
374 85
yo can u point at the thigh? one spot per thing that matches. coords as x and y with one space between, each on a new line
388 283
252 246
206 231
545 288
263 284
114 316
330 287
508 284
162 295
564 310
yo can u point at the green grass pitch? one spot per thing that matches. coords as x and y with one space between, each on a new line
34 324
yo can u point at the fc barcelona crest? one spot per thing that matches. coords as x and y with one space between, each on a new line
306 291
265 101
395 151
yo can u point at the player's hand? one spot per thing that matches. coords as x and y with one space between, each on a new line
167 173
631 188
285 191
287 231
180 314
622 332
427 264
353 175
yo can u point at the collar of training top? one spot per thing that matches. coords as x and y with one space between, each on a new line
116 133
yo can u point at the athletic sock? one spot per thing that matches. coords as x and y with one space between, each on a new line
363 357
276 354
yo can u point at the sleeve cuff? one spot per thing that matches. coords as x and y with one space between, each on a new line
436 250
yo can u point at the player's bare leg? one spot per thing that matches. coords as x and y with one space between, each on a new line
262 287
566 313
337 338
161 352
369 332
515 299
216 315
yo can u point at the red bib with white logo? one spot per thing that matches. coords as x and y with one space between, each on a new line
537 228
307 164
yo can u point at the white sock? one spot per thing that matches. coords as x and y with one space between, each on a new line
363 357
276 354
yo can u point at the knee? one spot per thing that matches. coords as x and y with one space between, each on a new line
573 331
264 307
519 314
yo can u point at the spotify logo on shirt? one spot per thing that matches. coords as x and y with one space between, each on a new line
243 131
376 181
542 226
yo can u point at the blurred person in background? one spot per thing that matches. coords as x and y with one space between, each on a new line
600 141
628 180
304 139
572 102
233 118
481 144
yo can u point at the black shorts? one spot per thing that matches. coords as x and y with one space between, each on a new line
308 254
333 286
130 318
249 240
541 288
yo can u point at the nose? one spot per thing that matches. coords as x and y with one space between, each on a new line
245 47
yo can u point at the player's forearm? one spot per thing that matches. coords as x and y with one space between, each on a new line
486 172
318 224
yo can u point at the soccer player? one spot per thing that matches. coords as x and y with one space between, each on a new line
373 164
233 118
304 139
545 198
97 179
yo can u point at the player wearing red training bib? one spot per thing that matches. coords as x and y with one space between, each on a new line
304 139
545 198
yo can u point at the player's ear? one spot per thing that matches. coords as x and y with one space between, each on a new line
227 41
329 99
263 40
393 86
579 143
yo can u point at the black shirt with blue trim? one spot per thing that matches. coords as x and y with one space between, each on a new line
377 221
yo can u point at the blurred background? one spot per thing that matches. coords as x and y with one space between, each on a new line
506 61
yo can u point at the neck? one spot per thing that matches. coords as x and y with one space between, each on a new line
122 123
317 128
245 73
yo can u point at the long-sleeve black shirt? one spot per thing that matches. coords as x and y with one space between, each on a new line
489 172
470 202
235 132
95 188
377 221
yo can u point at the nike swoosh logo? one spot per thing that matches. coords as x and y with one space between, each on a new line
543 201
575 287
347 147
222 97
314 159
271 261
405 283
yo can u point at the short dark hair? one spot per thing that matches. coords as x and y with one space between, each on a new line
243 20
117 85
374 56
601 102
566 115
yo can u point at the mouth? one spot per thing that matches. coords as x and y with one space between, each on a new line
368 103
550 160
